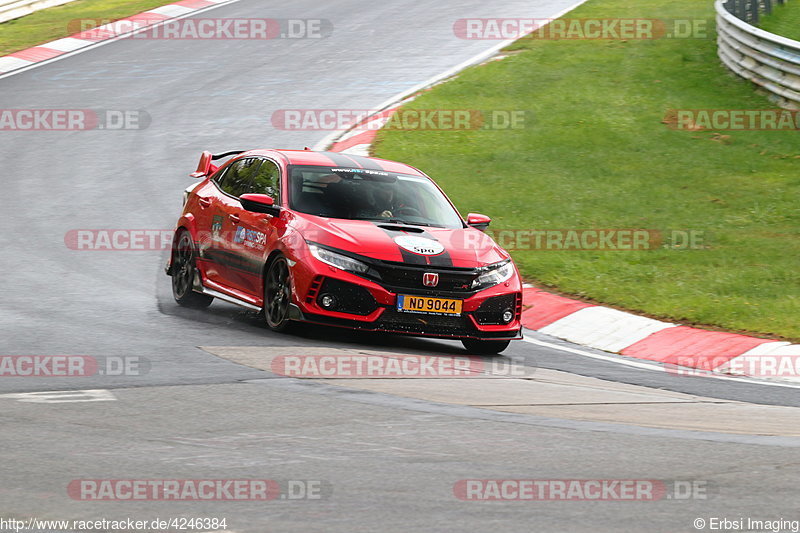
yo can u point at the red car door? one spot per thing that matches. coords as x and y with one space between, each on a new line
222 224
254 233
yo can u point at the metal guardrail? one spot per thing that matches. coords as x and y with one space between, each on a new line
770 61
12 9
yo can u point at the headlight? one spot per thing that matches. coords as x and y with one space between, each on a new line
338 260
497 273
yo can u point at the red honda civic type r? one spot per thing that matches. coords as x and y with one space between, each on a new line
342 240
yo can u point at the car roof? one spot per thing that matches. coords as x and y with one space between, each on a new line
336 159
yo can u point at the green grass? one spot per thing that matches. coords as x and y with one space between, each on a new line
784 20
597 155
54 23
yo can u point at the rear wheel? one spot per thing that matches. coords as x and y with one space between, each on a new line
479 347
277 295
183 273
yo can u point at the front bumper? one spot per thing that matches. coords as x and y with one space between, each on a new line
367 305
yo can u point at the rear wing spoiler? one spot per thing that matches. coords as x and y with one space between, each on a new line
206 168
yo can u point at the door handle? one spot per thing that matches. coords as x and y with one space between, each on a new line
204 202
234 218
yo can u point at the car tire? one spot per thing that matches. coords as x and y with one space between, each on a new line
479 347
183 271
278 295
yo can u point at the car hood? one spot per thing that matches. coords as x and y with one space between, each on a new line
420 245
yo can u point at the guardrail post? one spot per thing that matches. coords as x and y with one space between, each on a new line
750 10
738 9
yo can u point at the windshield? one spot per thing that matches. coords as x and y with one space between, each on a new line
363 194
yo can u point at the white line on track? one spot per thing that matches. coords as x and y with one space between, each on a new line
654 367
114 39
71 396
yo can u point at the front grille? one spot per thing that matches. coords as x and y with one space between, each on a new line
398 278
491 311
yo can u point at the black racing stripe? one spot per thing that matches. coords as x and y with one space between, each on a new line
328 155
408 257
342 160
411 258
366 162
443 259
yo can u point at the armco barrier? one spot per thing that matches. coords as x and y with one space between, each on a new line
12 9
768 60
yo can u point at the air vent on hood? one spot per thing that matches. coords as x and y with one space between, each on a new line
407 229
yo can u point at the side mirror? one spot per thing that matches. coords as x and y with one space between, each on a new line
259 203
478 221
204 166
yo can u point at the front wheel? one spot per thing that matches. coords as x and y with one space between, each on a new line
277 295
183 272
479 347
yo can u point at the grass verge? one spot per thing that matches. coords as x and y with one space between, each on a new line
784 20
54 22
597 154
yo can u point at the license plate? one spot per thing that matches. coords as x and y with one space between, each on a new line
427 305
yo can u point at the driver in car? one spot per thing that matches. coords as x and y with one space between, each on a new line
383 200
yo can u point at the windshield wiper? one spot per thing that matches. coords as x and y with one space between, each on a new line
395 221
406 222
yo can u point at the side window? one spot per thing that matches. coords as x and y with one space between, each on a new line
220 175
267 180
237 179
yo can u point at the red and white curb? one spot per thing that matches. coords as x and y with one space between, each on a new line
358 140
615 331
672 345
80 42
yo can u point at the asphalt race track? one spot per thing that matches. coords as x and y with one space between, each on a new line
387 453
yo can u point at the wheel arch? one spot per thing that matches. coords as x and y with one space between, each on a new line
185 223
273 255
